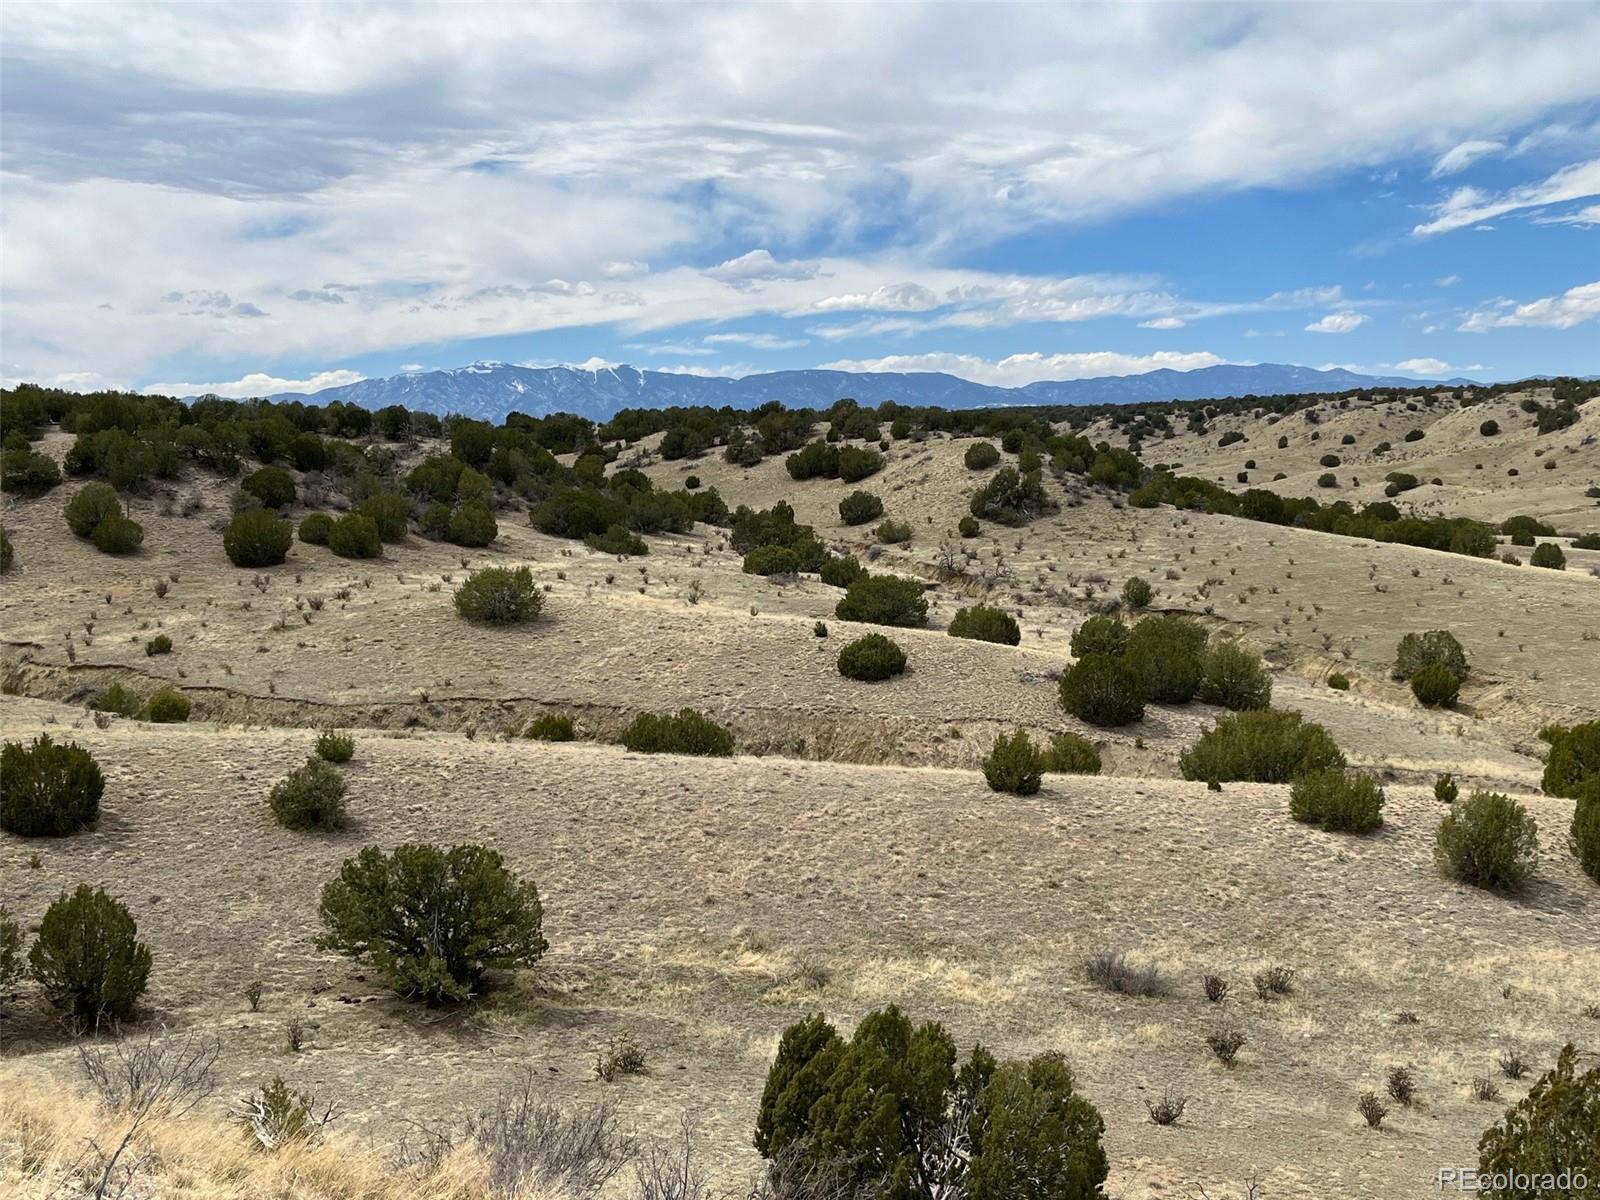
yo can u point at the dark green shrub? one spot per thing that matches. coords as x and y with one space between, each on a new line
8 553
27 472
51 788
310 797
314 529
872 658
1574 757
1337 802
93 504
160 644
1231 438
813 460
1339 682
1586 541
1489 841
1260 746
167 706
684 732
884 600
1165 654
968 527
1583 837
841 570
1548 554
390 515
893 532
1418 650
117 699
11 960
335 747
552 727
1435 686
499 596
819 630
354 536
1327 480
117 535
617 540
1489 428
1011 498
1014 765
273 486
985 624
257 538
1070 754
1234 678
691 483
774 560
1137 593
980 456
1100 635
860 507
1413 435
856 464
432 922
1102 690
472 524
1445 789
1552 1134
1329 460
88 957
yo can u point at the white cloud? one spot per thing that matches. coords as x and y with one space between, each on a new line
1445 281
1431 367
1586 216
1470 206
257 385
1573 307
756 341
1019 369
758 267
617 270
1338 322
1459 158
412 368
895 297
1164 323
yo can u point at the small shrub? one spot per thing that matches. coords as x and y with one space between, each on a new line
1225 1043
51 788
8 553
160 644
1445 790
1137 593
871 659
257 538
1484 1088
1263 746
11 960
499 596
1273 981
820 629
968 527
1574 758
273 486
1234 678
472 524
167 706
884 600
1419 650
430 921
980 456
1112 971
841 570
335 747
1014 765
1339 682
1102 690
310 797
1327 480
117 699
552 727
94 503
1548 554
860 507
1489 841
1167 1109
1100 635
117 535
1436 686
355 536
88 958
1070 754
622 1056
1337 802
686 732
390 515
1489 428
1583 836
1553 1131
1166 654
1401 1086
27 472
1512 1065
1372 1110
984 624
616 540
892 533
315 528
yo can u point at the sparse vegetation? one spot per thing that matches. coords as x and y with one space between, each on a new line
871 659
985 624
684 732
1014 765
1262 746
52 788
884 600
1337 801
1069 754
1489 841
310 797
499 596
335 747
88 958
552 727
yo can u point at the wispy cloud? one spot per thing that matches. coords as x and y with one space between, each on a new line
1338 322
1462 156
257 385
1015 370
1469 206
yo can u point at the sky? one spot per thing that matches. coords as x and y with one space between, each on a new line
243 200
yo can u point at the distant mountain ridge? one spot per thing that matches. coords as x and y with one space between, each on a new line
490 390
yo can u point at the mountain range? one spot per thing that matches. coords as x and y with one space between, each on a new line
490 390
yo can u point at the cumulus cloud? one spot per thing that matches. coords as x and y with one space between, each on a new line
1338 322
1017 370
1575 306
758 267
257 385
1164 323
1469 206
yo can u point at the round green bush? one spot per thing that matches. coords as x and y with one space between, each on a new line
390 515
1489 428
692 483
160 644
310 797
335 747
27 472
1102 690
1165 653
980 456
117 699
774 560
683 732
1100 635
314 529
872 658
273 486
1336 801
1070 754
893 533
985 624
841 570
552 727
11 962
860 507
1574 757
88 958
355 536
1329 460
93 504
51 788
1548 554
884 600
1234 678
1260 746
1137 593
1489 841
1418 650
1014 765
499 596
473 524
167 706
118 535
257 538
1435 686
968 527
1445 789
430 921
1327 480
1339 682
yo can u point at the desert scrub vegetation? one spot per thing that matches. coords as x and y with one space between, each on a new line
860 507
1337 802
980 456
167 706
1011 498
871 659
51 788
683 732
1574 758
884 600
1437 647
355 536
1234 678
551 727
1583 836
1111 970
1103 690
335 747
12 963
88 958
8 553
499 596
893 533
1070 754
1027 1131
1260 746
314 528
432 921
1100 635
310 797
1014 765
841 570
117 699
968 527
160 644
273 486
1165 654
1436 686
1550 556
985 624
618 540
257 538
1489 841
1554 1130
1137 593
